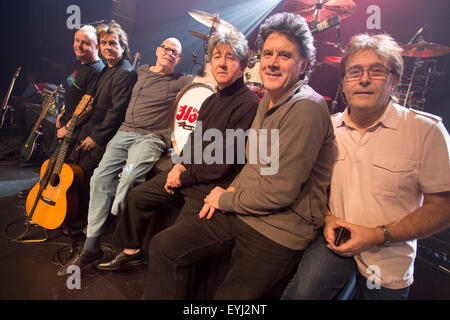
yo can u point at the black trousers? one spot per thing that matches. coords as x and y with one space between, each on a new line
257 263
88 161
145 202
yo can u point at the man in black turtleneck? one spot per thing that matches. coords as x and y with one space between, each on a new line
233 107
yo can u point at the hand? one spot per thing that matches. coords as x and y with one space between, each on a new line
61 132
207 211
361 238
58 122
212 202
213 197
173 178
87 144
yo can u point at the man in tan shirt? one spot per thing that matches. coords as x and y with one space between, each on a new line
390 183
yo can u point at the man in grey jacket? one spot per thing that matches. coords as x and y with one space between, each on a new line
273 208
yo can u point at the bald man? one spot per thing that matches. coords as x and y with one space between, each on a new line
138 144
82 80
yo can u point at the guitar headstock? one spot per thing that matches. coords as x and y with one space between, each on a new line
85 100
55 92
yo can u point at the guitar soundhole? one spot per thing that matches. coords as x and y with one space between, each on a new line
54 180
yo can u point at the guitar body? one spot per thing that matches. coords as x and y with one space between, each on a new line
30 146
58 202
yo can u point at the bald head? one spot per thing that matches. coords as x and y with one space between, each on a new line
168 55
85 45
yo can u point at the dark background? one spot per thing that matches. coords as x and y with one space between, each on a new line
35 35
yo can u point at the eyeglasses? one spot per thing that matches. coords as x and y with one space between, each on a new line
378 72
173 52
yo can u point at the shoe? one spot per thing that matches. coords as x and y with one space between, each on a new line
23 194
123 262
83 260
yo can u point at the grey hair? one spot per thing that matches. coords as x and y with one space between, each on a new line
237 42
383 45
115 28
296 29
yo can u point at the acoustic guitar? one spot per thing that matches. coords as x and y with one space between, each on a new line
5 108
30 145
54 199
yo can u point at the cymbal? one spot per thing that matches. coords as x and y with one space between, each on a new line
211 20
200 35
330 8
424 50
334 62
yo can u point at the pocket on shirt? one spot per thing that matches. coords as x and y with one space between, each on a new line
337 176
389 176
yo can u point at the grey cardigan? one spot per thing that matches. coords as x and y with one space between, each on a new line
287 204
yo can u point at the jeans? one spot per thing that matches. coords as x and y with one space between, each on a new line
322 274
129 156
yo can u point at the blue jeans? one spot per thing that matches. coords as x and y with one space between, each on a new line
129 156
322 274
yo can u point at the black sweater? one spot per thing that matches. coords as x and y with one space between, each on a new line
234 107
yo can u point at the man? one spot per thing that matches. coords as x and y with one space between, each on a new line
137 145
80 82
265 218
111 98
83 79
390 183
231 109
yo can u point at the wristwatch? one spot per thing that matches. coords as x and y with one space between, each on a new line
386 235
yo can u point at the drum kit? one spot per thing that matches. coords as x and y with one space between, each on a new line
317 13
413 87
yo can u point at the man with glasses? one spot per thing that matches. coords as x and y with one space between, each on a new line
141 139
390 183
186 184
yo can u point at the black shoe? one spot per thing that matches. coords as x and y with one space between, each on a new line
83 260
123 262
23 194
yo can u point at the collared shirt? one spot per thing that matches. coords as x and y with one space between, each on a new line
380 176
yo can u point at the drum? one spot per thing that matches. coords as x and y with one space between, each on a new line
187 105
251 73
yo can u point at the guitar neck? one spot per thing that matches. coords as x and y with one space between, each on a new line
43 113
11 85
65 145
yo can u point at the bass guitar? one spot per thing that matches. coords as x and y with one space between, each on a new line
5 107
30 145
54 199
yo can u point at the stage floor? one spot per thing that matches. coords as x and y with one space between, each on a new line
28 271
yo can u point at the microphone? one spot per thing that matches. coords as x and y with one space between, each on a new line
327 24
415 36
